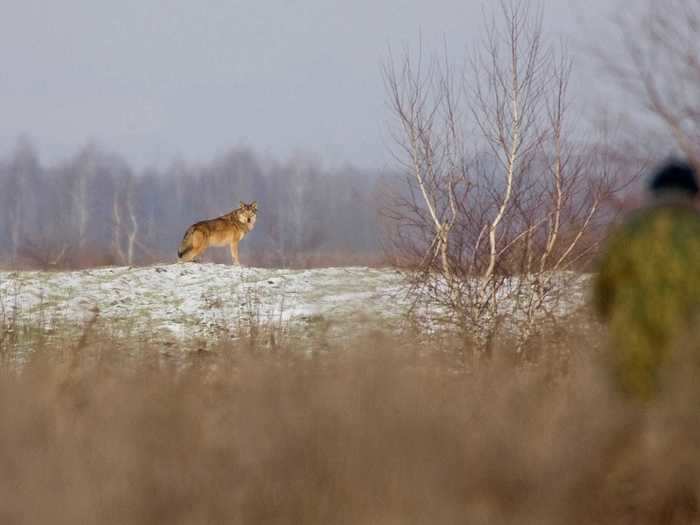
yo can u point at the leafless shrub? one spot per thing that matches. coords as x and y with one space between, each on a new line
265 329
492 222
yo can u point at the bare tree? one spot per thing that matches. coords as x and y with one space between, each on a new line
659 69
489 231
24 177
508 96
424 104
125 221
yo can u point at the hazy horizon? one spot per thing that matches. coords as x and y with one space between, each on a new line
156 81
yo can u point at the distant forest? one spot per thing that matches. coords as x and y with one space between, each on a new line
95 209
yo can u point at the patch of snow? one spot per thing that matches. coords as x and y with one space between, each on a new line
200 300
187 300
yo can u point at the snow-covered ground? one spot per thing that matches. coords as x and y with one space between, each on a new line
183 301
193 300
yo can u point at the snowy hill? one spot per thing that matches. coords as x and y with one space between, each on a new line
200 300
206 301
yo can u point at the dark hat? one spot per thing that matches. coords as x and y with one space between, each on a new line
675 176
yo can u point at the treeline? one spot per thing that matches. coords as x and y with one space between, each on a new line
95 209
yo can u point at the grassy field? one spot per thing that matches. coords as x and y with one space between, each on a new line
379 426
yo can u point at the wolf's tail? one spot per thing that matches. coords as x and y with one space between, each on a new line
186 244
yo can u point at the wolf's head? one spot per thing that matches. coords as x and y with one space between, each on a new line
247 214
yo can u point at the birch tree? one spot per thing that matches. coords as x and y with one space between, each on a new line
497 199
659 71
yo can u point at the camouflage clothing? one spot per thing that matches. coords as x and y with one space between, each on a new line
648 290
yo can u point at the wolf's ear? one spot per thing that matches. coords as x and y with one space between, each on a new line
254 205
242 204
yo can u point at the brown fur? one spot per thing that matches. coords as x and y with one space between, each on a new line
228 229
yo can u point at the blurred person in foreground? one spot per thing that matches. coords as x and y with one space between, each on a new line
648 286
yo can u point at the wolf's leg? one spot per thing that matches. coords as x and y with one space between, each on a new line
192 255
234 253
198 255
200 243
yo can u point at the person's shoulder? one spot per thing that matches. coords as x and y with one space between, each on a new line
674 211
680 213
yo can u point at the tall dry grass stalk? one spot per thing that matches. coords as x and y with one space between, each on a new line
384 433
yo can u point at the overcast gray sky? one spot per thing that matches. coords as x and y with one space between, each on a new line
160 79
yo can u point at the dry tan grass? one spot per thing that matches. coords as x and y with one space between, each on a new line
385 433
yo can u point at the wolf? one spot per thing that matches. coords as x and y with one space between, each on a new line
227 229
